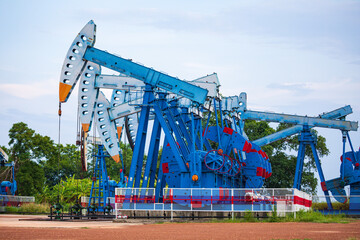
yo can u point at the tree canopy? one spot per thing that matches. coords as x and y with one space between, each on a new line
40 167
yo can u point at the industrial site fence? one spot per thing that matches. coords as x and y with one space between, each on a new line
214 200
85 201
15 201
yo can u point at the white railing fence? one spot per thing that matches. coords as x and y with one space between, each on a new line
284 200
85 201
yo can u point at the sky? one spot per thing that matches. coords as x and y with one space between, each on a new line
296 57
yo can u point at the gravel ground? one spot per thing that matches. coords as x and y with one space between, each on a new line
12 228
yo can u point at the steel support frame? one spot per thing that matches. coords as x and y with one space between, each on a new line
168 125
182 126
307 138
138 154
100 189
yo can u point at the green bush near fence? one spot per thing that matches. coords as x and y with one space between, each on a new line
301 216
29 208
318 217
324 206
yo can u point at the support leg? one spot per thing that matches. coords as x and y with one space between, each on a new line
299 166
153 154
138 155
321 175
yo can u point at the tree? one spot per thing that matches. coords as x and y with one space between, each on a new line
20 142
41 164
37 160
68 164
24 151
258 129
127 156
113 169
30 178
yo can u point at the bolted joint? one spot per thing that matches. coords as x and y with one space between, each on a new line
195 178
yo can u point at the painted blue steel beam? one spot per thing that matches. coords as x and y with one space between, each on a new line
181 124
300 120
138 155
177 132
307 138
168 135
151 164
187 121
335 114
100 189
145 74
178 147
299 166
161 180
321 174
198 132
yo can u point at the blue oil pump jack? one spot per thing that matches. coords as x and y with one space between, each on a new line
349 173
188 159
193 155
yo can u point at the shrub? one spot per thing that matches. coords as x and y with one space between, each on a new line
336 206
249 217
69 191
29 208
315 216
11 209
274 217
34 208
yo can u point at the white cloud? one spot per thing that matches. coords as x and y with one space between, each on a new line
30 90
336 91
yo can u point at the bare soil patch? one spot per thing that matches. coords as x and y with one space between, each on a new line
14 229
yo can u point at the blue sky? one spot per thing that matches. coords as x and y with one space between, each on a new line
296 57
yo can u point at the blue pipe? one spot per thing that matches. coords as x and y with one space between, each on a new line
217 125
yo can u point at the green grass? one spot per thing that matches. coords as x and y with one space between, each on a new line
11 210
249 217
324 206
301 216
34 208
314 216
29 208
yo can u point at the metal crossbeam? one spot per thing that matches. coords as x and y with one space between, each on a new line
335 114
300 120
145 74
118 82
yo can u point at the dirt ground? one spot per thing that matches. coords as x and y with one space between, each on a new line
12 228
